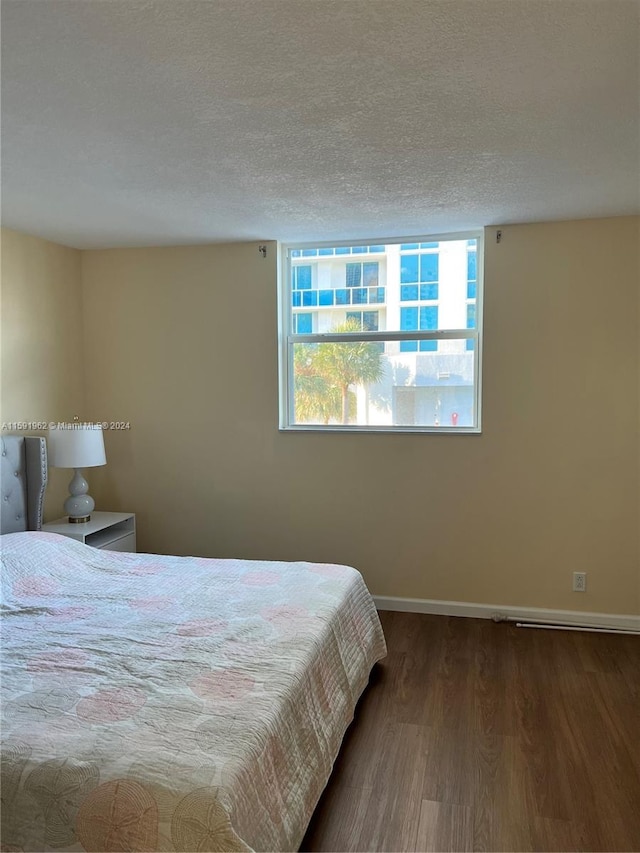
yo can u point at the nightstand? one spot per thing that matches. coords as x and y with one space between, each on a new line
111 531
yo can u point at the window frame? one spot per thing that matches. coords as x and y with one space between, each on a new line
286 338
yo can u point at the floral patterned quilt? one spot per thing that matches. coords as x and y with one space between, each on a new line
172 703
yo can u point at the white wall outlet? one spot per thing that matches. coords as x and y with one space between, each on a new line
579 581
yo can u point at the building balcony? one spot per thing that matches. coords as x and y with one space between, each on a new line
339 296
338 251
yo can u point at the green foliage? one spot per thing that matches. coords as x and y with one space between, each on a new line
315 399
324 373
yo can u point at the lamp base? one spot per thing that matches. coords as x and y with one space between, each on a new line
79 505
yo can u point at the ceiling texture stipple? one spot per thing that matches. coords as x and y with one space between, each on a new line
163 122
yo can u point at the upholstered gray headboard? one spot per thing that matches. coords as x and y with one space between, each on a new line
23 480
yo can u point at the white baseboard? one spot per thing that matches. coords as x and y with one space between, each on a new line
488 611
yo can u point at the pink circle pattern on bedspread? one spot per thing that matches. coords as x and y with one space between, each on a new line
230 684
111 705
34 586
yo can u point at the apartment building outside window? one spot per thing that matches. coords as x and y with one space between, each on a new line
382 337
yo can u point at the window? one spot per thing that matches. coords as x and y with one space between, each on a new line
472 272
419 273
301 278
362 274
368 320
471 322
303 323
472 288
326 251
391 343
411 319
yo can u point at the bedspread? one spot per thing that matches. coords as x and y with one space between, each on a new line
173 703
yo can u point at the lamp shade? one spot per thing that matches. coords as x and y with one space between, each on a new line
76 446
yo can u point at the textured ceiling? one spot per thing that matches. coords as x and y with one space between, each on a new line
148 122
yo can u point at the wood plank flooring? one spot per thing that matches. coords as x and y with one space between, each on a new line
481 736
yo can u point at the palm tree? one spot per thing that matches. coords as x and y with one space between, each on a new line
315 398
345 364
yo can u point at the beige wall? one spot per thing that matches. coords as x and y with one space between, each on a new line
41 345
181 342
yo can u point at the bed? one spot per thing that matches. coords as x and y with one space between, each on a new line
156 703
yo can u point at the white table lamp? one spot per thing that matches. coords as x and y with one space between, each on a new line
77 446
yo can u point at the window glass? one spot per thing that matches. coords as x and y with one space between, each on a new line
353 275
409 292
301 277
429 267
394 342
408 268
304 323
370 274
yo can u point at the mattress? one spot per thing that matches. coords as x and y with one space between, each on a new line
155 703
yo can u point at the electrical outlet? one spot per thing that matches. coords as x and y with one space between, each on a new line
579 581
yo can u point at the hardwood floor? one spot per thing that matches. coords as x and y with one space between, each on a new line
481 736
